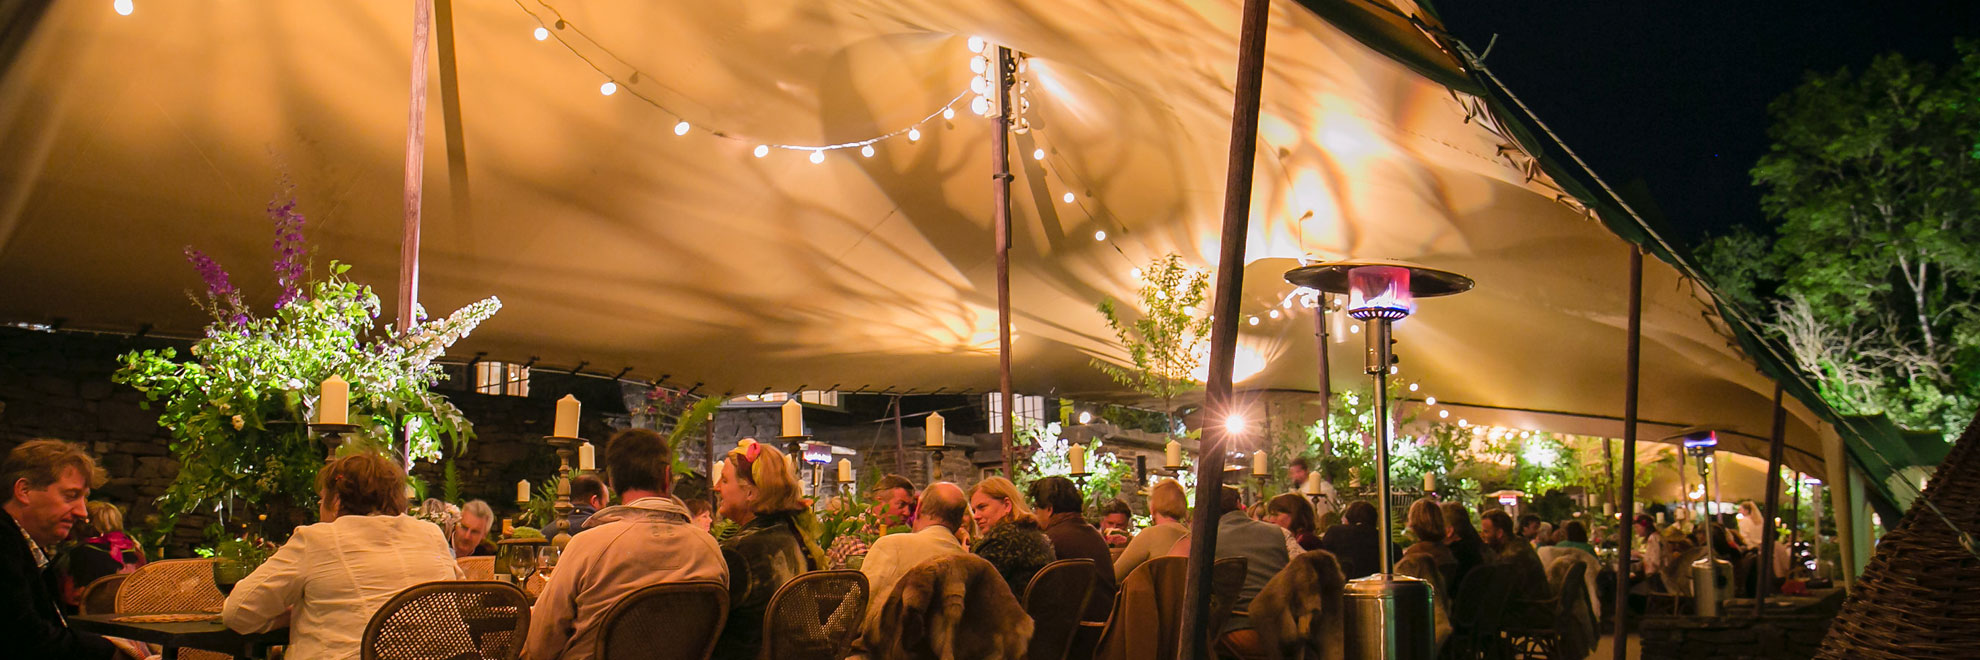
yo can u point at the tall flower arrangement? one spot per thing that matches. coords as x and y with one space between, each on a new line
1048 457
238 409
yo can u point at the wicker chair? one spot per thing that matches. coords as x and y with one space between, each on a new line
477 568
666 621
452 619
1055 599
171 586
815 616
100 597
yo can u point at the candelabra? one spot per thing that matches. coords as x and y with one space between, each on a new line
566 450
332 435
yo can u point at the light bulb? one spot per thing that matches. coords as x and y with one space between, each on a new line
914 134
1287 303
1161 295
948 113
681 128
123 7
1463 423
609 88
976 44
1412 388
1023 126
979 64
817 156
866 151
1038 154
1253 320
762 150
979 85
980 106
1100 235
1234 424
1354 329
1273 314
1068 197
1134 273
541 32
1393 369
1442 414
1085 417
1429 400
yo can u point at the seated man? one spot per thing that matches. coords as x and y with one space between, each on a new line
1117 524
47 488
1530 588
476 518
1355 542
587 497
648 540
939 516
1057 504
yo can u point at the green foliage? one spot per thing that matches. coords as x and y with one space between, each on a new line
1049 457
1168 339
1872 279
686 424
249 550
450 482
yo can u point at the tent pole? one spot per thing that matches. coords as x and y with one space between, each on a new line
1765 580
415 169
1000 183
1223 331
1626 487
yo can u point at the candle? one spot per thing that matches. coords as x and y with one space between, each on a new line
845 471
1077 456
522 492
1258 464
720 467
587 457
567 417
1429 482
1313 486
938 433
1172 455
793 418
1608 509
334 406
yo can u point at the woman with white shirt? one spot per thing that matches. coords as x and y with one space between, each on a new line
330 577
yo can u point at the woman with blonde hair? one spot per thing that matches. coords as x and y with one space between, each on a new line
775 540
1426 523
106 551
1169 506
1007 534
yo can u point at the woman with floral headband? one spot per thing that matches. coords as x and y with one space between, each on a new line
776 539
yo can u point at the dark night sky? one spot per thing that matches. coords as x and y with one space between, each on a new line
1676 94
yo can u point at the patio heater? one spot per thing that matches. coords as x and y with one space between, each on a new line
1389 616
1711 577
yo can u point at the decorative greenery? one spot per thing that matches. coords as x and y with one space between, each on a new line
1048 457
238 410
1167 344
250 550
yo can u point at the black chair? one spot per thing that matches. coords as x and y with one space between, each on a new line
815 616
1478 614
449 619
666 621
1055 599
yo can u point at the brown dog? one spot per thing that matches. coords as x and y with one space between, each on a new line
955 607
1299 613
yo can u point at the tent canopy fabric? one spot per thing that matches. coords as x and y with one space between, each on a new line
615 242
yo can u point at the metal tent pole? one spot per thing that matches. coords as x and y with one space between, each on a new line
1627 486
1765 581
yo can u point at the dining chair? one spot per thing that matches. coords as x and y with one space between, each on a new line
1055 599
477 568
454 619
100 597
815 616
666 621
1146 621
173 586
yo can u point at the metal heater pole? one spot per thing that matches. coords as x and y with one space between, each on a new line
1627 486
1223 330
1326 380
1378 365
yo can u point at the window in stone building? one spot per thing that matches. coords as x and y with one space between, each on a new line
501 378
1031 408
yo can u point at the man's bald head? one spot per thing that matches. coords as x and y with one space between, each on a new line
942 504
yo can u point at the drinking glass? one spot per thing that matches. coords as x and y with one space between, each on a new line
522 565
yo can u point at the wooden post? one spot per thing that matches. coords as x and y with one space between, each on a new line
1223 331
1765 580
1000 185
415 168
1632 357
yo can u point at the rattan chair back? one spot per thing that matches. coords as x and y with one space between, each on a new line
172 585
815 616
453 619
1055 599
666 621
477 568
100 597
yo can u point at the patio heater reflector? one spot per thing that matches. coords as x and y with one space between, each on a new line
1379 292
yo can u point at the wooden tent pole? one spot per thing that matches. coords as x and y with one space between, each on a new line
1765 580
415 168
1627 486
1223 331
1000 184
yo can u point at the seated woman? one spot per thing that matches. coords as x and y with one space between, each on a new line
1168 505
106 551
1426 523
1007 534
1295 514
331 577
776 539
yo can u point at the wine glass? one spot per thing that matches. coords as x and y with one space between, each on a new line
522 565
227 573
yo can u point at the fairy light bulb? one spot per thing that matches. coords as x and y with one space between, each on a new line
1134 273
1100 235
914 134
1068 197
817 156
979 85
681 128
980 106
1038 154
1252 320
541 33
979 64
1412 388
609 88
123 7
948 113
975 44
866 151
762 150
1431 400
1443 414
1273 313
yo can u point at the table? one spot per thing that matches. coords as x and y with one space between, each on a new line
201 635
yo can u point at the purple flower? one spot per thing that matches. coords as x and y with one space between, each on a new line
218 287
290 253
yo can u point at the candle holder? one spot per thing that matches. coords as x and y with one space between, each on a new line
566 450
332 435
794 445
1080 478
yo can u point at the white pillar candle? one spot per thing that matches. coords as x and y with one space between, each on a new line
1172 455
587 457
522 491
845 471
793 418
1076 455
1313 486
334 406
1258 463
567 417
1429 481
938 431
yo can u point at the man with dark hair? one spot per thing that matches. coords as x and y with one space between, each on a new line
1263 546
1529 578
1296 470
587 497
1117 524
942 509
47 492
647 540
893 501
1354 541
1529 527
1057 504
1577 537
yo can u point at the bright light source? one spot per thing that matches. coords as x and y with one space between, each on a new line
979 64
979 85
1085 417
1253 320
762 150
1068 197
681 128
1273 314
818 156
1354 329
1462 423
1134 273
123 7
980 106
976 44
914 134
1443 414
948 113
609 88
1393 369
1234 424
541 33
1100 235
866 151
1428 399
1038 154
1412 388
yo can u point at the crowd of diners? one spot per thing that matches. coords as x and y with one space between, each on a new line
325 582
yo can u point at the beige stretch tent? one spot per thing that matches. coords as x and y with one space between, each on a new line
616 243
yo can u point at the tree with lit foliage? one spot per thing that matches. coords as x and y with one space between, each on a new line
1871 277
1168 341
